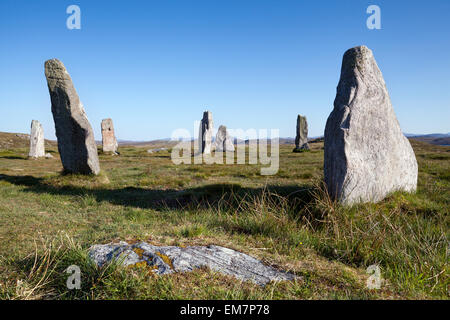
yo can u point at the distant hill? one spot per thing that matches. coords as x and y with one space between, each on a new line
440 139
284 140
153 143
435 138
19 140
430 135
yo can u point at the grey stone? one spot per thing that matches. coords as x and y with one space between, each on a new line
48 156
37 142
301 137
170 259
76 142
205 133
156 150
366 154
109 142
223 140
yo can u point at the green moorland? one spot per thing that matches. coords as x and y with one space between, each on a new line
49 220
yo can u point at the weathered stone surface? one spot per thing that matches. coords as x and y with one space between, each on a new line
37 142
205 133
109 141
223 142
76 142
169 259
301 137
366 154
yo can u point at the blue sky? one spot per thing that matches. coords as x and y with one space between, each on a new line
155 66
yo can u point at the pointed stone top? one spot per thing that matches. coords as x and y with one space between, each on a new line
55 69
207 115
361 49
358 58
359 70
358 53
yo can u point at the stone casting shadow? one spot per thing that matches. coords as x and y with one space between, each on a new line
229 195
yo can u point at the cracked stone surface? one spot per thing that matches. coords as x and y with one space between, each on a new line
366 154
170 259
76 143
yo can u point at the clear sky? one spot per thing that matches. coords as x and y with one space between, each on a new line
155 66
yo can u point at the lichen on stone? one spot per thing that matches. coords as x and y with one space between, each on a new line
139 252
165 258
161 260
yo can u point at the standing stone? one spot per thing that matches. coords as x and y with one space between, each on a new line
205 133
223 140
37 148
76 142
366 154
108 137
301 138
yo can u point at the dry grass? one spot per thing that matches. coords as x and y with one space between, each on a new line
287 220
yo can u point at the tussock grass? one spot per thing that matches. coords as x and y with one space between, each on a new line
49 220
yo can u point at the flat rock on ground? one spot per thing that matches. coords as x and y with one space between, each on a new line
170 259
156 150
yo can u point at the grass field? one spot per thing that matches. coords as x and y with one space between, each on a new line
48 221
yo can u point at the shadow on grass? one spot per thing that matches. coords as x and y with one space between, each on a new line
229 196
14 157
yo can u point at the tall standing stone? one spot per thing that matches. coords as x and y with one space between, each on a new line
366 154
223 141
76 142
109 141
37 143
205 133
301 137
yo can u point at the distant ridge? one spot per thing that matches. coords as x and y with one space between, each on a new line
10 140
429 135
21 140
439 139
